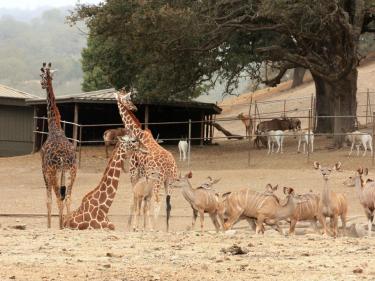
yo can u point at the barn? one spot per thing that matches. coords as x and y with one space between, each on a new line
89 114
16 122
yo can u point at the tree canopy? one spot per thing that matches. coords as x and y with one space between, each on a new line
178 49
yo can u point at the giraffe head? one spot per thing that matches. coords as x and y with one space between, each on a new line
131 144
46 74
125 99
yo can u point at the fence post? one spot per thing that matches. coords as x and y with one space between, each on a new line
367 104
250 132
308 137
373 141
80 146
42 135
284 116
189 143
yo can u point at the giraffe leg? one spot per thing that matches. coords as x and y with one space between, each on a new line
139 208
59 201
68 199
49 206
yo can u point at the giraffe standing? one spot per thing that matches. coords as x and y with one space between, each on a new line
58 154
142 165
93 211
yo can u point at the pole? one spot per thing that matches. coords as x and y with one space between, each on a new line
80 146
75 128
146 116
42 136
367 99
284 116
373 141
308 137
250 131
189 143
35 129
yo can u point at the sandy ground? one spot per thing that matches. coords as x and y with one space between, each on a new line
40 254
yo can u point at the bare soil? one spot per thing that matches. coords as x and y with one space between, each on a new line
30 251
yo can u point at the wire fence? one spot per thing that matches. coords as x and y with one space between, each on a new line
307 115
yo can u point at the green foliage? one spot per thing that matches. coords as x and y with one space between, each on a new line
25 45
178 49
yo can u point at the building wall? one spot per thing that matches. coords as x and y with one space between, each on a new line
16 130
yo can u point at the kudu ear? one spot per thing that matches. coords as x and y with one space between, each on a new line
189 175
316 165
360 170
366 171
285 190
216 180
337 166
275 187
269 187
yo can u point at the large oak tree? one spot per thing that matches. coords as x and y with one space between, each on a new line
176 49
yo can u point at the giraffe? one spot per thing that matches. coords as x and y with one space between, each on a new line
58 154
142 165
93 211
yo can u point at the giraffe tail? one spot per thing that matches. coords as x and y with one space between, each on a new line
62 187
169 208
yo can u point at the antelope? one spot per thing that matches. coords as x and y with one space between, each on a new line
248 122
307 209
366 195
142 192
248 204
304 138
111 136
183 149
202 199
275 137
357 138
332 204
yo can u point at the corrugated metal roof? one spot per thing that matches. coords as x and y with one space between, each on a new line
107 96
8 92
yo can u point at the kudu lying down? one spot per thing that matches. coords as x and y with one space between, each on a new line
202 199
249 204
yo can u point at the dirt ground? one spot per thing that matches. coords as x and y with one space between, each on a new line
37 253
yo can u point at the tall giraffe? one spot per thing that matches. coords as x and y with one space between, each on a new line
142 165
93 211
58 154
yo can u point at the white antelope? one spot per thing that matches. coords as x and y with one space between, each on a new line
275 137
303 137
357 138
183 149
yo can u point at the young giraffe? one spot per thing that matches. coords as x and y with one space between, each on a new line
58 154
142 165
93 211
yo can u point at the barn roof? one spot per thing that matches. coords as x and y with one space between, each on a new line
107 96
8 92
10 96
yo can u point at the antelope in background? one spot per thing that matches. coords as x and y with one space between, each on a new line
332 204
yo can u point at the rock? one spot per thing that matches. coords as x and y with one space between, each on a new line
112 255
358 270
107 266
305 254
356 230
235 250
230 233
19 226
205 267
12 277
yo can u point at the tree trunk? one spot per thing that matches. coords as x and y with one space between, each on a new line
298 74
337 99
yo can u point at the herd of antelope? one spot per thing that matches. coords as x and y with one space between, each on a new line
265 208
273 132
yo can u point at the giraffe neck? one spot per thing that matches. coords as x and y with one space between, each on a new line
53 113
131 122
110 180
